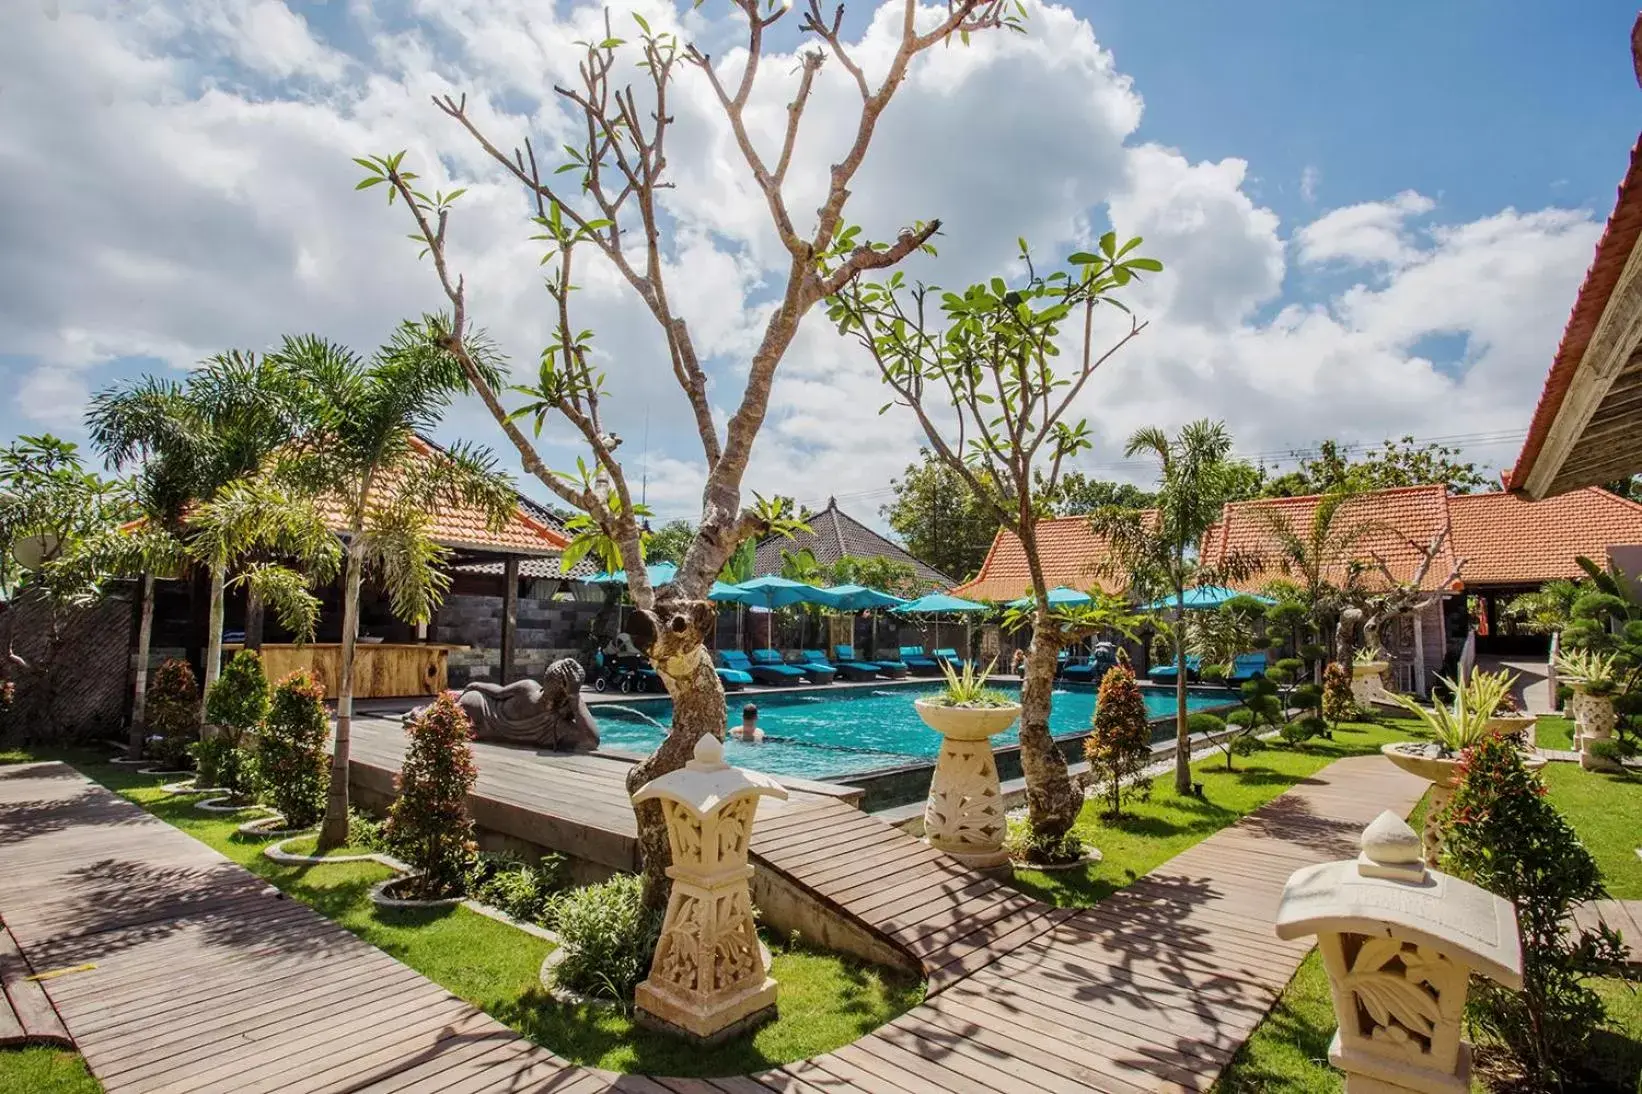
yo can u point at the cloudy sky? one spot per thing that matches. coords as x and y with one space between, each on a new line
1374 217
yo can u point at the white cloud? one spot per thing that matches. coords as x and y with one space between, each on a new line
179 181
1374 232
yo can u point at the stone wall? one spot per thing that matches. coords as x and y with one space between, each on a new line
546 631
88 685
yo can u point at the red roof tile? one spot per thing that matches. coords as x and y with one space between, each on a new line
1507 539
1070 553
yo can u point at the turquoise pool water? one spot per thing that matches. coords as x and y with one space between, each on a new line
848 732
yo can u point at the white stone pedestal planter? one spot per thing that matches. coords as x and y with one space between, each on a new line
1443 772
1594 720
1400 943
1368 684
964 815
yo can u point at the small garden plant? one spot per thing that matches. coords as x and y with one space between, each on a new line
1506 837
1120 748
967 688
292 768
428 824
1338 704
608 939
524 890
173 713
234 711
1465 722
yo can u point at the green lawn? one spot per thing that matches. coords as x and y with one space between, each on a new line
45 1071
1556 734
826 1000
1155 831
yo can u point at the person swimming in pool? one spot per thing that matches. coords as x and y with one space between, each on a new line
749 730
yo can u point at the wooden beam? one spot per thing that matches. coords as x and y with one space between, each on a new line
510 614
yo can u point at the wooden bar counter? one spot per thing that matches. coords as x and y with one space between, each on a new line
381 670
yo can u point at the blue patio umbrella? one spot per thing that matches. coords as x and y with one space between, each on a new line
1059 597
1202 597
771 592
935 603
859 598
660 574
727 594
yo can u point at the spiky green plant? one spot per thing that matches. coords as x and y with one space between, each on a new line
967 688
1464 723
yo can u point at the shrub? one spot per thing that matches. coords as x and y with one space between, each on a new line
1338 705
1120 747
224 765
365 831
1304 729
1204 722
1247 744
527 891
1026 845
608 938
428 825
172 710
1242 718
1505 837
292 769
238 702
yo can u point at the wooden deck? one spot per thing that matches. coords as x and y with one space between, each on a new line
203 978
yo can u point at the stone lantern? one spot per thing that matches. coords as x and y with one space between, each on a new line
708 980
1400 942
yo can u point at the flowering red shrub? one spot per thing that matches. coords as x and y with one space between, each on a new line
1121 745
428 825
1338 705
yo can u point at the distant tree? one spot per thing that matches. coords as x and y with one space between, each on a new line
888 575
670 542
940 518
1403 462
1078 495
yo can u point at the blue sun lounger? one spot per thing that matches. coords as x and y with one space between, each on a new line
849 670
1247 667
732 679
819 672
1079 670
770 659
921 664
846 655
946 655
1165 674
765 674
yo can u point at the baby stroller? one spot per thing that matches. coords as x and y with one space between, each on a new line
624 674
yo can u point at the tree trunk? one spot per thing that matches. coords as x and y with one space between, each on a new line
139 701
213 640
334 831
1052 803
1182 726
673 634
254 614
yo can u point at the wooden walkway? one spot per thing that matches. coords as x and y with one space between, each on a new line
203 978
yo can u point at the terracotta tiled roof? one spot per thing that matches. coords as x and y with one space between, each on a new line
1402 523
1508 539
1613 251
834 534
465 528
1069 550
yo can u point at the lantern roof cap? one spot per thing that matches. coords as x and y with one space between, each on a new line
707 782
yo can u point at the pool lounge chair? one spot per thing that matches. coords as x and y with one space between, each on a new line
732 679
1079 670
921 664
848 670
819 672
949 656
1165 674
765 674
1247 667
893 669
772 659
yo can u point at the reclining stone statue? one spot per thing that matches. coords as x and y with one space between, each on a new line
545 714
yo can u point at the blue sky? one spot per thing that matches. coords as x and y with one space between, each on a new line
1375 216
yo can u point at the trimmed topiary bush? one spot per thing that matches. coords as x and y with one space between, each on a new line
1120 747
1503 835
172 710
607 937
1204 722
292 769
428 825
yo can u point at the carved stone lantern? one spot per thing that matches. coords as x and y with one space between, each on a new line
708 980
1400 942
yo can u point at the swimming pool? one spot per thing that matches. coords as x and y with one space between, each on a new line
848 732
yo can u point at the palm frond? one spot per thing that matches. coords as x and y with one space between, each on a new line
402 554
286 592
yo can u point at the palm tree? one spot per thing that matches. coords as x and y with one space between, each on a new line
365 456
1157 549
1319 553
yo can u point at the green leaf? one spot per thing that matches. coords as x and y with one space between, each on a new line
1083 258
366 184
1151 264
1108 244
639 19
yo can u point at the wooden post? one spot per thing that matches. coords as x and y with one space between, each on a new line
510 615
1419 652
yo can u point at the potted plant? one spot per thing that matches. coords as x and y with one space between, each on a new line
1595 680
969 709
1454 728
1368 668
964 815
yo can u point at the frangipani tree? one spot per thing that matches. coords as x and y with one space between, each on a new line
602 201
991 354
363 455
1158 548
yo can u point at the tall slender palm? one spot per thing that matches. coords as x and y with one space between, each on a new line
1321 552
1157 549
189 441
364 455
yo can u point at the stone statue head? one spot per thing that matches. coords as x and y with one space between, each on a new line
563 678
